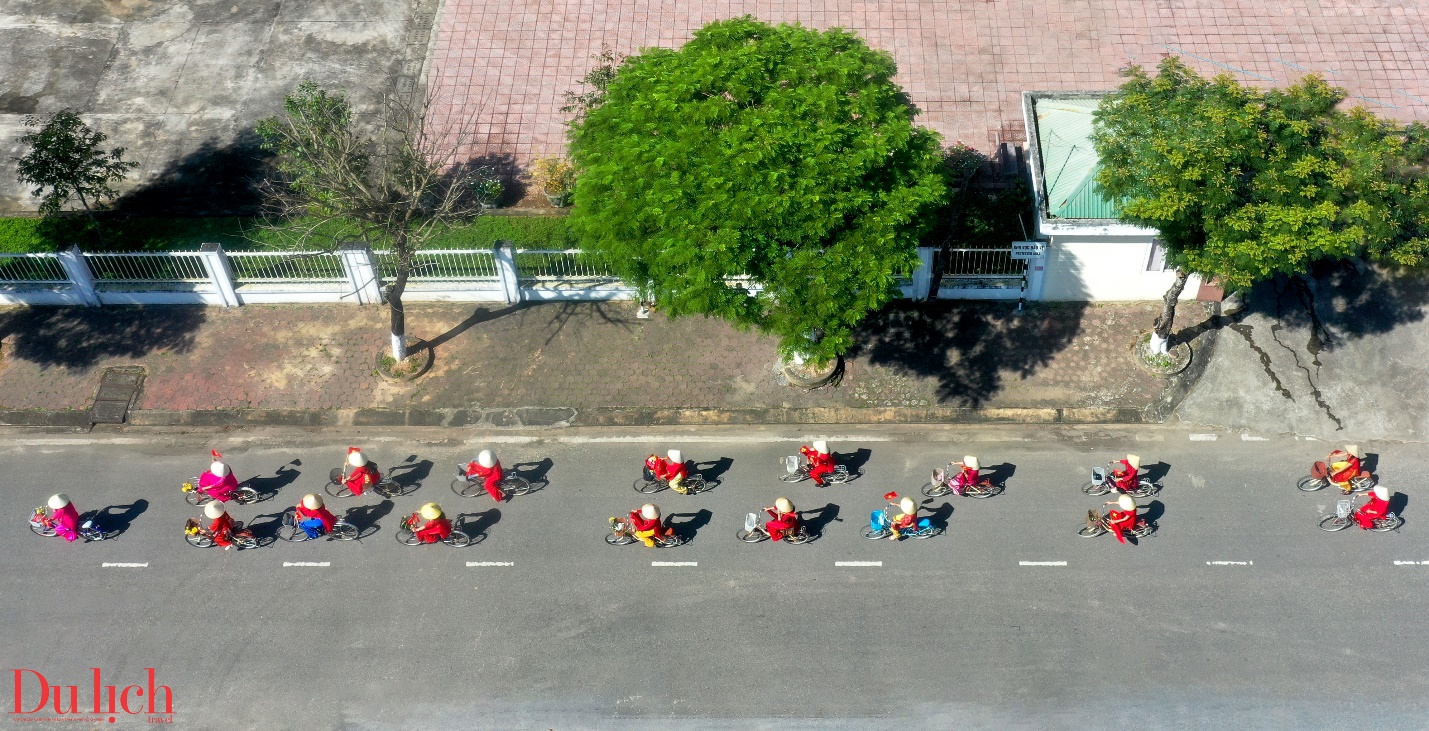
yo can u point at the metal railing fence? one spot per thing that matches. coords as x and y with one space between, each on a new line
452 265
559 264
169 266
289 267
32 269
983 263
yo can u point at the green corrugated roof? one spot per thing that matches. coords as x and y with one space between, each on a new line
1069 161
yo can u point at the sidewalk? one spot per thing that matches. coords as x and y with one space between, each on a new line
932 358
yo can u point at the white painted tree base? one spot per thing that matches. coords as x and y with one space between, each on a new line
399 348
1157 345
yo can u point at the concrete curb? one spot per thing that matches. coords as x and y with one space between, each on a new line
560 417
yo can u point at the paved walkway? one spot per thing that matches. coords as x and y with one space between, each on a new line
571 355
964 63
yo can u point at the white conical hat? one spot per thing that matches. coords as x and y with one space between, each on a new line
971 463
675 456
648 511
215 510
1134 461
486 458
218 469
355 457
1354 449
821 446
1381 492
430 511
312 501
1126 503
907 505
58 500
783 505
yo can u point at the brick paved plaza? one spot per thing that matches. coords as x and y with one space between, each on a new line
964 62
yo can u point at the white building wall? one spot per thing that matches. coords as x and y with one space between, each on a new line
1102 267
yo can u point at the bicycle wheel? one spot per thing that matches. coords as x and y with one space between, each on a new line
750 536
649 487
799 538
407 537
1334 523
799 476
983 490
343 532
696 484
195 498
874 534
1091 532
619 539
514 485
1145 488
458 539
388 488
199 540
42 529
839 476
243 541
1311 484
336 489
246 495
1362 484
1096 488
1385 525
1143 530
672 541
291 532
931 490
930 533
467 488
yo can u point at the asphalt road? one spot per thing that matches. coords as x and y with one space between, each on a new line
1238 613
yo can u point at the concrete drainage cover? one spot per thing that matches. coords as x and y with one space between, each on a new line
118 388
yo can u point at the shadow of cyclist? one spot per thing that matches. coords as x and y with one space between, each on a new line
410 472
115 519
268 487
477 524
818 519
712 470
687 525
854 460
365 517
534 472
940 515
1156 472
265 527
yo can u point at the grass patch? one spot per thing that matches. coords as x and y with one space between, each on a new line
19 235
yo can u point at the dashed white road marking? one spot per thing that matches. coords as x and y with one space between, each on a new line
1041 563
1230 563
117 565
470 564
313 564
1411 563
674 563
1250 438
1205 437
858 563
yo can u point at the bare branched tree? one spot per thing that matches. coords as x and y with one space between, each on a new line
395 188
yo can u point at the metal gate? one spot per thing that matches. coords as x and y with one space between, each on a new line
981 273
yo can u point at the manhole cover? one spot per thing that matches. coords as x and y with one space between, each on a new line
117 389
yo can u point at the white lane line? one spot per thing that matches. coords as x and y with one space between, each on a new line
1205 437
108 565
470 564
1041 563
1411 563
674 563
317 564
1248 438
1230 563
858 563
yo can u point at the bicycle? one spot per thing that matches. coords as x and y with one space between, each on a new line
796 469
511 485
44 525
1098 524
1319 479
337 484
1103 484
756 531
1344 518
289 530
621 534
407 536
881 526
200 537
693 484
196 497
942 483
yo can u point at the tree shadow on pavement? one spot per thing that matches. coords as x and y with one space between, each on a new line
816 521
968 348
478 316
477 524
566 312
115 519
854 460
80 337
365 517
268 487
688 525
1339 301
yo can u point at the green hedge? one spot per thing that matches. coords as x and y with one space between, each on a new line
179 234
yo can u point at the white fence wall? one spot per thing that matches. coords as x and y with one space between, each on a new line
353 273
1101 269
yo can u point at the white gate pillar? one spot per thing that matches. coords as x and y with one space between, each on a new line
220 270
504 254
923 275
80 278
361 268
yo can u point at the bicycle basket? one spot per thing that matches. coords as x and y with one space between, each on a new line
791 464
878 520
938 476
1343 508
1098 474
751 521
191 527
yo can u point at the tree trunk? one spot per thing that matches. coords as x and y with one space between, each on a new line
399 316
1161 331
93 221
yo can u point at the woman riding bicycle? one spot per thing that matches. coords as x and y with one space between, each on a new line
221 527
487 469
672 470
363 474
783 519
968 474
313 517
906 520
65 518
645 521
821 461
218 482
1125 473
429 525
1376 509
1120 522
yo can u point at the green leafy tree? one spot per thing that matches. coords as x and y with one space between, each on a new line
396 190
780 154
66 161
1245 184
